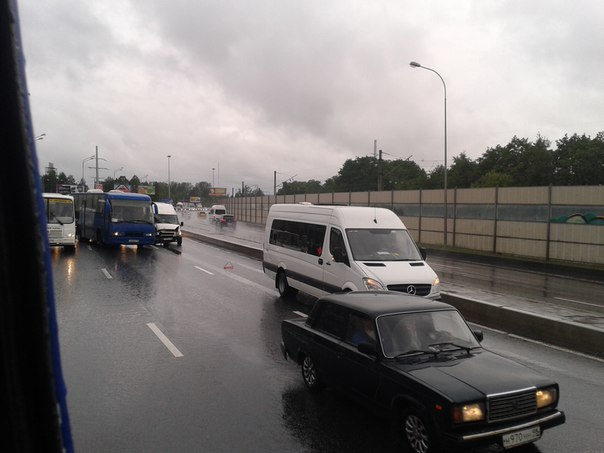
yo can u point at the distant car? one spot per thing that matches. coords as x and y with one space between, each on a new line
227 221
418 361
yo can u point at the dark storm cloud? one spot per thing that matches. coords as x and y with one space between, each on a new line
252 87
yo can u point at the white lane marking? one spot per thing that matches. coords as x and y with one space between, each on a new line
89 247
167 343
577 302
203 270
107 274
299 313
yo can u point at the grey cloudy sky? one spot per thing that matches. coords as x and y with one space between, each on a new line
257 86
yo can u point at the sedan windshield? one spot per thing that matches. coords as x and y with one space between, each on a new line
430 332
381 244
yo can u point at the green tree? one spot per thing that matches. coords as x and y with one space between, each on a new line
49 180
579 160
253 191
436 178
297 187
494 179
357 175
403 175
502 159
463 172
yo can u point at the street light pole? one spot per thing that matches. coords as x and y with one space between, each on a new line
415 64
169 156
85 160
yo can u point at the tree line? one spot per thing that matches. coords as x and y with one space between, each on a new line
576 160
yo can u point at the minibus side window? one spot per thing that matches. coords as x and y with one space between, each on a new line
299 236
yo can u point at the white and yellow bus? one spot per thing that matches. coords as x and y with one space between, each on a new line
60 220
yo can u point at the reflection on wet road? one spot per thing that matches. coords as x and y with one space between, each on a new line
229 389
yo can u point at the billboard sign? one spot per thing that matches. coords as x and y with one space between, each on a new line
218 192
148 190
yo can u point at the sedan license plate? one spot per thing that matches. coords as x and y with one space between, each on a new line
133 241
521 437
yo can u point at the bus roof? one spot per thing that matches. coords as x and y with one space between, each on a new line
57 195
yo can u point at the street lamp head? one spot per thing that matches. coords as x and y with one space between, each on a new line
415 64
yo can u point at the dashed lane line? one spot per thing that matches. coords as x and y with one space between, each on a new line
167 343
203 270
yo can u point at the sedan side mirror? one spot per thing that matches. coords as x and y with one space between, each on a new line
479 335
367 348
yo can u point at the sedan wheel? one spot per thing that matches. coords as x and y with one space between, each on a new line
310 375
417 433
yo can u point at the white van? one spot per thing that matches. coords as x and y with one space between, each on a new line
326 249
167 225
216 212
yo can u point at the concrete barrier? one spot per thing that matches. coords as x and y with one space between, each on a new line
569 335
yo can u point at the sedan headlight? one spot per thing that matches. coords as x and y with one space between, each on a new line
372 284
469 413
546 397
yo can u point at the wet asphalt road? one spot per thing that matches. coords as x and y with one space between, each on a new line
219 383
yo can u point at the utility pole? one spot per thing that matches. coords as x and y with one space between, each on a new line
96 181
380 181
275 183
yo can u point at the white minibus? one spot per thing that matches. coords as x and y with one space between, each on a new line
326 249
60 220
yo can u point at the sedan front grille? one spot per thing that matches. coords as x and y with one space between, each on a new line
418 289
511 405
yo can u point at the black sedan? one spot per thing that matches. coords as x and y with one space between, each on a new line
418 363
